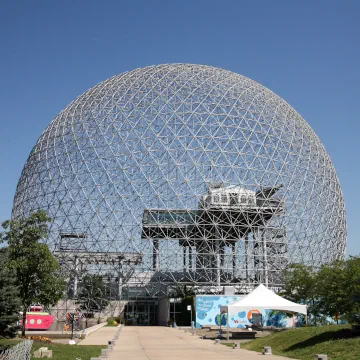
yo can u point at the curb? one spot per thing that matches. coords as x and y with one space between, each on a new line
111 343
90 330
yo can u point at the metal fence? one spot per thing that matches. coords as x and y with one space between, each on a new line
21 351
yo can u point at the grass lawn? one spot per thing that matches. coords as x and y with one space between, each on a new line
336 341
62 351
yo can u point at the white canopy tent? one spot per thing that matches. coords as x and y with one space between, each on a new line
262 298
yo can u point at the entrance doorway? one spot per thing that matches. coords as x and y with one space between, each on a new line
140 313
175 309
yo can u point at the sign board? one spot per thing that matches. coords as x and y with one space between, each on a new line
223 309
189 307
212 310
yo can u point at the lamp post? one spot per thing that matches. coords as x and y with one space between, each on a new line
189 308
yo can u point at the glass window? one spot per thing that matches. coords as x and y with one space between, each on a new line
216 199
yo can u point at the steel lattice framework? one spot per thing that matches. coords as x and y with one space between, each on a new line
183 174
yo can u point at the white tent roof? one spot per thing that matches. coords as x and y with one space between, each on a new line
263 298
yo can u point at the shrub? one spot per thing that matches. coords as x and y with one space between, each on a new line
119 319
111 322
38 338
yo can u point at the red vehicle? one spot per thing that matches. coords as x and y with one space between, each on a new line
36 319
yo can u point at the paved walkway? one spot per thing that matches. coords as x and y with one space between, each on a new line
163 343
100 337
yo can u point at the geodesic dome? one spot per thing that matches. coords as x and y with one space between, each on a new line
183 174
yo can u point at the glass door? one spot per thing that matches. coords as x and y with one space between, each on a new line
140 314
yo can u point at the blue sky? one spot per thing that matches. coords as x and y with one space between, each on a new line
305 51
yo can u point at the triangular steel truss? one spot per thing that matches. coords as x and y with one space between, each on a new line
175 143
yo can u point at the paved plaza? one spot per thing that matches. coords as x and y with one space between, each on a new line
100 337
163 343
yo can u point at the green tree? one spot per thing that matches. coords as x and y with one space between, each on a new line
352 288
92 295
333 289
301 286
37 271
9 298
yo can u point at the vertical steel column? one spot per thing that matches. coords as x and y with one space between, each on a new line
257 254
216 250
233 256
247 257
189 258
193 258
222 256
120 280
76 263
201 258
266 277
184 258
217 253
156 255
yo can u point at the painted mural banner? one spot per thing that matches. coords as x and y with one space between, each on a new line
207 309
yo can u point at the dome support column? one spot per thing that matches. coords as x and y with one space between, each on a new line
76 265
246 240
156 254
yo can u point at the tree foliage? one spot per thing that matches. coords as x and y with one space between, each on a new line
37 271
300 287
331 291
92 294
352 287
9 298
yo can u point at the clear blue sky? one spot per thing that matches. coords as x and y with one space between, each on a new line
306 51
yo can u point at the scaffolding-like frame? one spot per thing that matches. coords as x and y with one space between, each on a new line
157 139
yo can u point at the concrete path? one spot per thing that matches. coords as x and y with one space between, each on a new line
100 336
163 343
